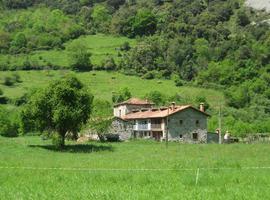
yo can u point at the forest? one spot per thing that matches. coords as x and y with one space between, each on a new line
216 44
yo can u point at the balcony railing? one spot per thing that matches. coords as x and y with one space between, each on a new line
143 126
155 126
146 127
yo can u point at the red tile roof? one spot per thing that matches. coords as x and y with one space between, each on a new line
135 101
158 113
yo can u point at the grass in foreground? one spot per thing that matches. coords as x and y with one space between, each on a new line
236 183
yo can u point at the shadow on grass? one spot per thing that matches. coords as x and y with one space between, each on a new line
76 148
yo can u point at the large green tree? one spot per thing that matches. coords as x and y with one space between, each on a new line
64 106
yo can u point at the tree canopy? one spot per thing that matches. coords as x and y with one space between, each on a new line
64 106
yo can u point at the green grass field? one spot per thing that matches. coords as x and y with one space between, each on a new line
102 84
110 170
100 46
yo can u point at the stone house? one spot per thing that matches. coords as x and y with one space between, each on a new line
136 118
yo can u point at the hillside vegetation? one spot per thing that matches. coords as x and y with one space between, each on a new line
222 45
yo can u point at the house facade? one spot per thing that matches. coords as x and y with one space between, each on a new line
138 118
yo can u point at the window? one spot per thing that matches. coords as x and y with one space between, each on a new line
119 113
181 136
181 122
197 122
195 136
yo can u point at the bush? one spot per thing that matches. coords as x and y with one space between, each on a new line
79 57
157 97
109 64
112 137
123 95
179 82
148 75
8 81
8 126
242 18
125 46
21 100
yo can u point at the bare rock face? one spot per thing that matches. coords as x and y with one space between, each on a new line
259 4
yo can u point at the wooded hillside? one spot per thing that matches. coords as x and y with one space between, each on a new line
205 43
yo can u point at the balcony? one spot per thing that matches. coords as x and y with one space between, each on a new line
141 127
156 126
146 127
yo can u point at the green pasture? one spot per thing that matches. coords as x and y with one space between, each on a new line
102 84
114 170
100 46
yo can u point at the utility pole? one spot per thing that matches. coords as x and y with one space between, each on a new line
167 128
219 125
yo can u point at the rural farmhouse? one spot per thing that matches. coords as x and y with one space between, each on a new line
136 118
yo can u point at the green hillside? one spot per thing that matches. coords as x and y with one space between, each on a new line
194 45
103 84
100 46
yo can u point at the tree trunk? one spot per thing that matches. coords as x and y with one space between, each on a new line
62 140
74 136
101 137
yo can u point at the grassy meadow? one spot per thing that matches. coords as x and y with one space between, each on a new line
100 46
102 84
124 183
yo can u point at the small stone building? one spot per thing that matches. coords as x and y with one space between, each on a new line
137 118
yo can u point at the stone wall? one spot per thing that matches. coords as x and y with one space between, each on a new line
184 124
122 128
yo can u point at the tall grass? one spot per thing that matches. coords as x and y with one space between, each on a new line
236 183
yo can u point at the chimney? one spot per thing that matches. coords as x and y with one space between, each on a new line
202 107
173 105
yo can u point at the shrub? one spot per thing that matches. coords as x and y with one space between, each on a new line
123 95
79 57
109 64
8 126
112 137
179 82
21 100
125 46
8 81
157 97
148 75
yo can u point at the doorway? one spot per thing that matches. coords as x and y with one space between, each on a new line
157 135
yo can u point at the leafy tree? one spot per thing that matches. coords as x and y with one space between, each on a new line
64 106
17 3
156 97
242 18
144 23
4 41
8 124
101 17
109 64
79 57
122 95
19 42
